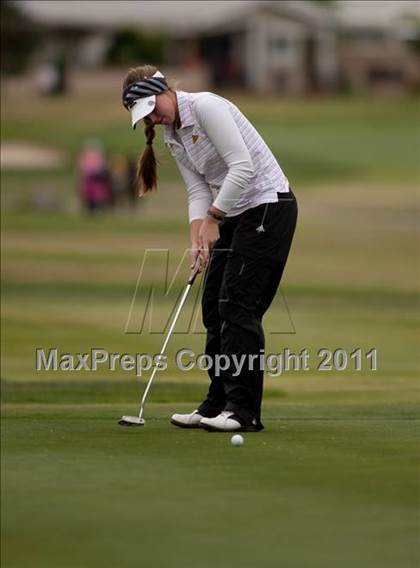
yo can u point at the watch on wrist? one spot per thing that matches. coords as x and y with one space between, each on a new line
215 215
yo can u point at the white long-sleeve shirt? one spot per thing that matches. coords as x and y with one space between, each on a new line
222 158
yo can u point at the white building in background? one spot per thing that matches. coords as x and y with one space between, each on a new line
285 46
379 44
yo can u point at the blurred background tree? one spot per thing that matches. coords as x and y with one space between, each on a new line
20 36
131 46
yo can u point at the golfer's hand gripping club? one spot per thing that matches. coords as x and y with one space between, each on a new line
196 270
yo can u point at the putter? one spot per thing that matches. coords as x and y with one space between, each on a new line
139 420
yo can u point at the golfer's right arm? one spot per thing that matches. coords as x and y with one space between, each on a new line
199 200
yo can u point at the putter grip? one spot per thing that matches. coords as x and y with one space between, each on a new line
195 271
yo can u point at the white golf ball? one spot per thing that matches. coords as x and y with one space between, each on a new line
237 440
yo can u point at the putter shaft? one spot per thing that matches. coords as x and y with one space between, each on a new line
168 335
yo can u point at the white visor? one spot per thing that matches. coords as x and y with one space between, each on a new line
141 108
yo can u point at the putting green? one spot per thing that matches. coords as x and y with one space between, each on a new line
330 482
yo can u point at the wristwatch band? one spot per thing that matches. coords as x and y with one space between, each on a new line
215 215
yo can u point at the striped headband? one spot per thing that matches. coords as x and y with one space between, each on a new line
144 88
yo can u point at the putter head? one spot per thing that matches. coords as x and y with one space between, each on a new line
131 421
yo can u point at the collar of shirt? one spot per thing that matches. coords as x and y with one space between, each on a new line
185 114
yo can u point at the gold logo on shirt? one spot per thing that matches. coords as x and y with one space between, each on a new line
194 138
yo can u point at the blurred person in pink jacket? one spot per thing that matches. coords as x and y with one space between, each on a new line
94 180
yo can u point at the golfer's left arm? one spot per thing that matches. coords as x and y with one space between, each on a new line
221 129
217 121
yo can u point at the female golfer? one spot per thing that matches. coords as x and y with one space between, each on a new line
242 216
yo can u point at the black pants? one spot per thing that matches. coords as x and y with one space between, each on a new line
240 282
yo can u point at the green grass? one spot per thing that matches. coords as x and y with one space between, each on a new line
330 482
102 391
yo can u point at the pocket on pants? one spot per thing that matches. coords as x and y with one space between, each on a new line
244 280
266 232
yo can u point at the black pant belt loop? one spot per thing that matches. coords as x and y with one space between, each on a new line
285 196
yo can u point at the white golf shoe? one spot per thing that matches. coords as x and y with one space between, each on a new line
221 423
192 420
